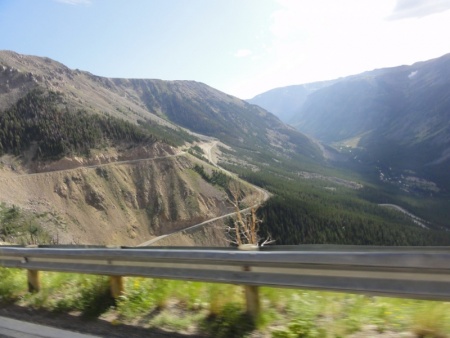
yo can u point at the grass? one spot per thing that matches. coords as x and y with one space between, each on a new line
218 310
12 283
64 292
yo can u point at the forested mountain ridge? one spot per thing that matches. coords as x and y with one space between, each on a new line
36 120
188 104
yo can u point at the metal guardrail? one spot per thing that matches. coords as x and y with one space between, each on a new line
419 272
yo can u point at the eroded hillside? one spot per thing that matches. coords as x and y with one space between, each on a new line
124 203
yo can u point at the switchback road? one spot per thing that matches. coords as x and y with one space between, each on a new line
207 148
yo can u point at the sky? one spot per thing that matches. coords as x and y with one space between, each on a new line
241 47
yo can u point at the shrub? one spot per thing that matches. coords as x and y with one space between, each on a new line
232 321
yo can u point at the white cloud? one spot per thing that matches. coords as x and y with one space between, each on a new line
75 2
418 8
242 53
322 39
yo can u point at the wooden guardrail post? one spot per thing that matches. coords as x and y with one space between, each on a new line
116 285
251 292
252 301
34 284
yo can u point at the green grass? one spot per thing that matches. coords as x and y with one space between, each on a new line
12 283
64 292
218 310
22 227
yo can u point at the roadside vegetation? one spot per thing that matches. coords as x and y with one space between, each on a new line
217 310
20 227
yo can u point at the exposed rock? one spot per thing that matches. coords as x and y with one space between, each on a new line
94 198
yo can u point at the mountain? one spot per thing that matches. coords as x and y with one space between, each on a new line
397 119
107 157
285 102
189 104
400 99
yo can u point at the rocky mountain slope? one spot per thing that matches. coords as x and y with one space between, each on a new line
124 202
121 203
19 74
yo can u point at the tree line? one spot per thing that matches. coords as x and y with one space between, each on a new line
42 118
215 178
304 212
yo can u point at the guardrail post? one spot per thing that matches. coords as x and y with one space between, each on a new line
251 291
34 284
252 300
116 285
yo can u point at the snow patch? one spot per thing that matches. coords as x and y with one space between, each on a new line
412 74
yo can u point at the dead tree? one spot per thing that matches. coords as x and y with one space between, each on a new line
244 230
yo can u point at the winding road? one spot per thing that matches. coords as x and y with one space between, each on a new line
95 166
207 148
417 220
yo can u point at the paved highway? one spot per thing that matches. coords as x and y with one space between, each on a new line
19 329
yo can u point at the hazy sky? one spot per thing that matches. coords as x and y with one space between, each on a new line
242 47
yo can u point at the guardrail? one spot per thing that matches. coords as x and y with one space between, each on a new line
411 272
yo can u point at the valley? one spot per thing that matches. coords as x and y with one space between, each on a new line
389 126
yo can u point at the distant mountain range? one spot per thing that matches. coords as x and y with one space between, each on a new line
397 119
285 102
